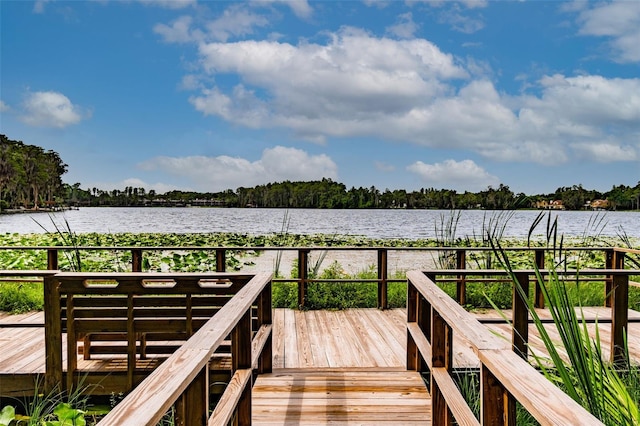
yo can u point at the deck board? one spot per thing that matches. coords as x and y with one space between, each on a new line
340 396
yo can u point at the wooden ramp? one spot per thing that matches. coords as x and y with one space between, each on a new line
358 396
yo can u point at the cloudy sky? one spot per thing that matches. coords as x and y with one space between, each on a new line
214 95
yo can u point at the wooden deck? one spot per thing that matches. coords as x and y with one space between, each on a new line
335 367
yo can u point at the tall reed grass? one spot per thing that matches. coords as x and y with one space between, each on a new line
610 392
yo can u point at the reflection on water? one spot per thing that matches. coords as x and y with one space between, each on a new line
411 224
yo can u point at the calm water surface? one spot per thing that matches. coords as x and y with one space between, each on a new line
411 224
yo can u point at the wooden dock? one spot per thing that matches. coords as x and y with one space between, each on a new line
330 367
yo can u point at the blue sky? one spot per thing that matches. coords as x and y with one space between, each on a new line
213 95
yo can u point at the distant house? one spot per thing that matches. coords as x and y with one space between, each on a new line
599 205
543 205
556 205
550 205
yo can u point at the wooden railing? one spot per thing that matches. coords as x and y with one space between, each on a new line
615 281
182 379
433 318
458 258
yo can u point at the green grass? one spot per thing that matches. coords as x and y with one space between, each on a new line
339 295
18 298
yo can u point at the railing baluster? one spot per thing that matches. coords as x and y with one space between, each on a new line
412 316
538 296
136 260
619 318
241 359
53 334
221 260
52 259
382 277
192 408
461 285
72 345
423 319
520 315
442 357
610 262
303 276
496 405
265 317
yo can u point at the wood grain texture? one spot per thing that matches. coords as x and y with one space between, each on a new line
340 396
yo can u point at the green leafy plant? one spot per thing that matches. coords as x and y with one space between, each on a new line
586 376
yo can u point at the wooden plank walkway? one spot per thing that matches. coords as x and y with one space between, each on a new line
329 366
363 396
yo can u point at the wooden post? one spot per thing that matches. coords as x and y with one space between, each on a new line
192 408
221 260
52 259
497 407
136 260
520 319
619 318
412 316
265 317
382 279
303 276
241 359
424 322
610 262
131 344
72 345
461 285
538 296
441 357
53 335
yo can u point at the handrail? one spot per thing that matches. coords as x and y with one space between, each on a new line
432 319
616 281
614 258
185 372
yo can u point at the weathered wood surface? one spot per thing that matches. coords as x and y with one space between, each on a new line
340 396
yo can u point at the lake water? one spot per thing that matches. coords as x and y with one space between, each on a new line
410 224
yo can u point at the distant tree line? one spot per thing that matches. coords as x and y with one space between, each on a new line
327 194
31 176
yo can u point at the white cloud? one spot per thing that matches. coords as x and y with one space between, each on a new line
342 84
606 152
456 14
348 88
159 187
461 22
39 5
453 174
618 20
236 20
4 107
475 4
224 172
405 26
170 4
50 109
300 8
178 32
384 167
